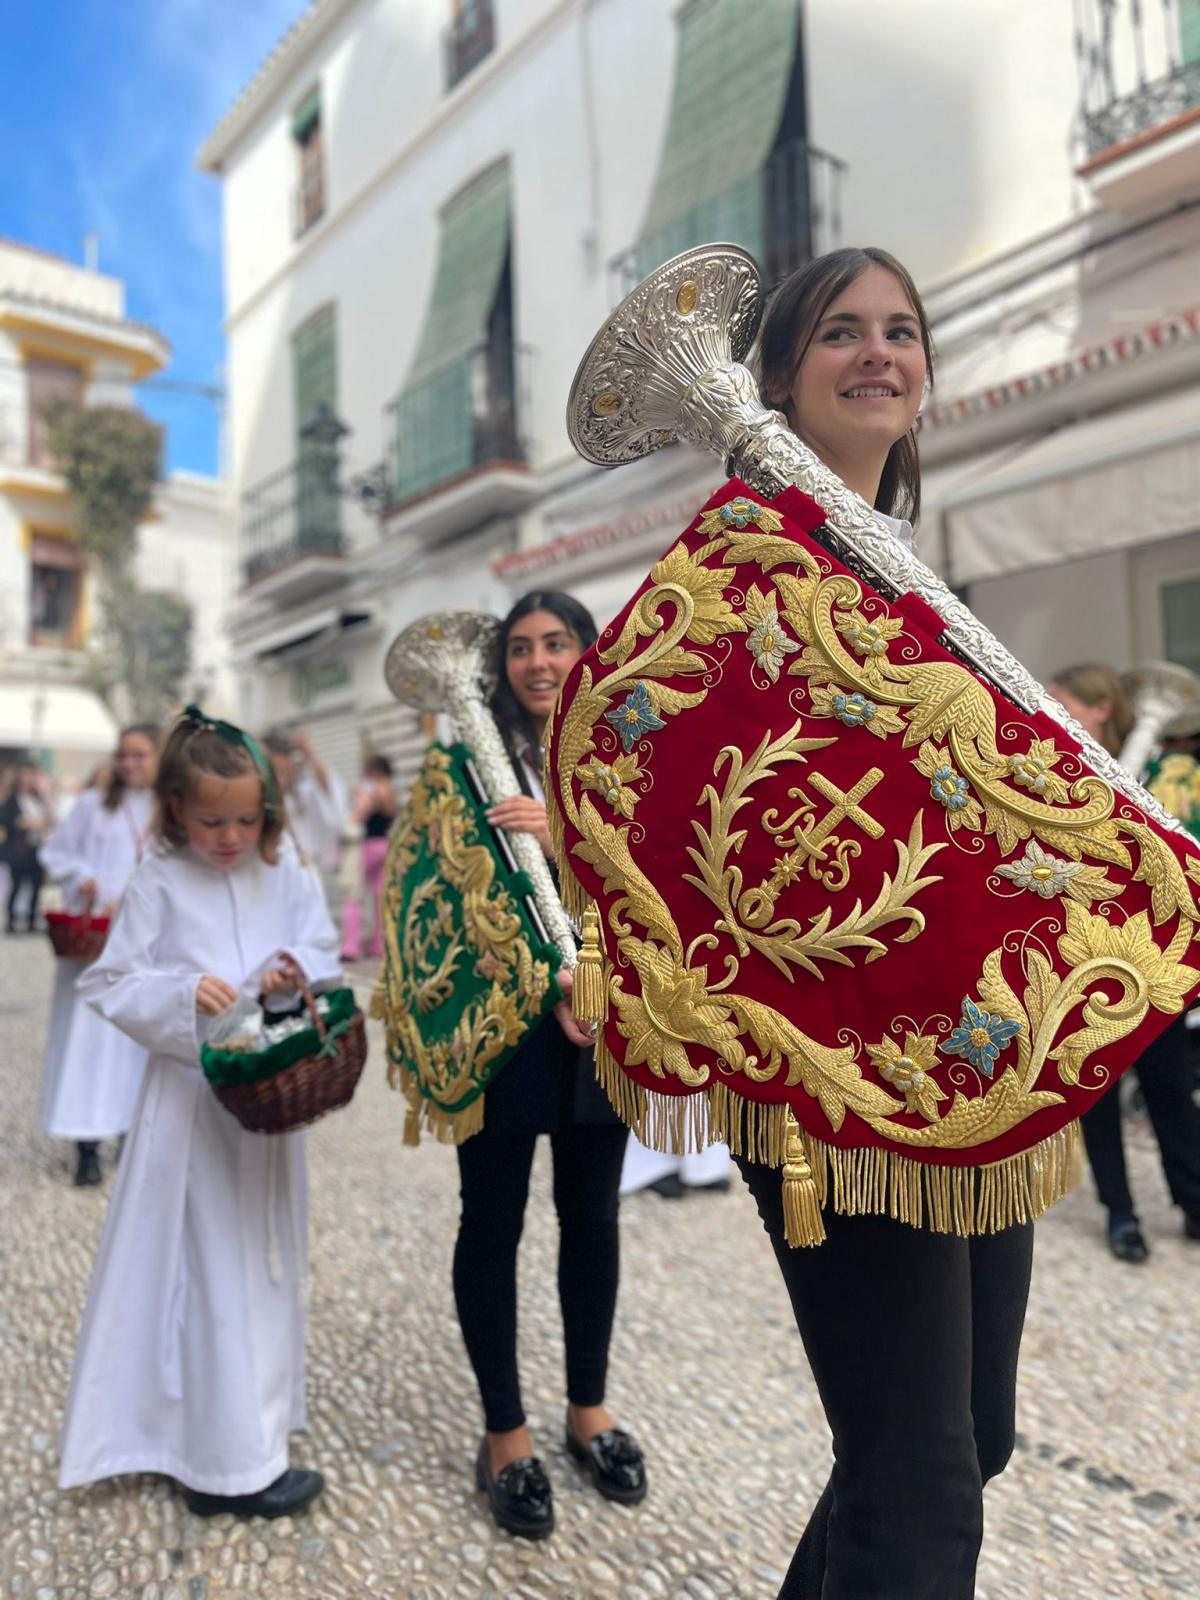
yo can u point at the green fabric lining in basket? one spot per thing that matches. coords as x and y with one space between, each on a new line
222 1067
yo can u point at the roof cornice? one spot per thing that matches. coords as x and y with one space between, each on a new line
302 37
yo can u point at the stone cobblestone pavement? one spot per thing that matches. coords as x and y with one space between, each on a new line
1102 1499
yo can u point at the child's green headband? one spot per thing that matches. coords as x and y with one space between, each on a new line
200 721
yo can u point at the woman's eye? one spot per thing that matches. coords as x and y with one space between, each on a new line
836 335
903 333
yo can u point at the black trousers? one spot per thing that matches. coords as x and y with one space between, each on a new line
28 871
912 1338
494 1177
1167 1074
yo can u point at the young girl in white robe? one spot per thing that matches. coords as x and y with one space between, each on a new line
191 1356
93 1071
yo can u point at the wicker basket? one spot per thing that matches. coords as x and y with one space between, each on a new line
76 938
305 1088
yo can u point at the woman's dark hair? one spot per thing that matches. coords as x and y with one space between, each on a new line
514 721
114 790
378 766
792 319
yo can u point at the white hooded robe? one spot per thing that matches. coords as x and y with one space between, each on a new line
191 1355
92 1072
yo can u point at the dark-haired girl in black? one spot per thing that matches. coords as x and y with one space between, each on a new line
549 1087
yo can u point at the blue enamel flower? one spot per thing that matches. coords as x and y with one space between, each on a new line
949 789
979 1037
634 716
739 513
853 709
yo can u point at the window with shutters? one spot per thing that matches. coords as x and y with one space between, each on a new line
55 592
470 37
314 376
48 381
308 137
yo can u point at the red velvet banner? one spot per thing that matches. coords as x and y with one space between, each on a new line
837 872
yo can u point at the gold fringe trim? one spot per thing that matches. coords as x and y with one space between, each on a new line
868 1181
446 1127
589 992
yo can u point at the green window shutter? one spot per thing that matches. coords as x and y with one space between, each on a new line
733 66
314 379
1189 31
306 115
435 421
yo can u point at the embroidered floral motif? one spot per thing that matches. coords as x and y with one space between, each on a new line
948 787
908 1070
979 1037
768 644
854 709
1032 771
611 781
1038 870
634 716
739 513
869 636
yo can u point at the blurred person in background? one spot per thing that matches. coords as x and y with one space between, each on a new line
372 813
1095 696
314 797
26 816
93 1071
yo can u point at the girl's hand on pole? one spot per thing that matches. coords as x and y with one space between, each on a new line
520 813
584 1035
213 995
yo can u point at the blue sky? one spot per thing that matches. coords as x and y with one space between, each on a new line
103 104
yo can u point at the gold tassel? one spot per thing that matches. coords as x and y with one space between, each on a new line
589 1001
802 1223
412 1126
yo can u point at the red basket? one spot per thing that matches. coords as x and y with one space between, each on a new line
76 938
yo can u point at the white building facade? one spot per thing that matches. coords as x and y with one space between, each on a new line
431 207
64 334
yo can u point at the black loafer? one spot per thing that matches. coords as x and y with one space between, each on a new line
294 1490
1125 1240
615 1462
520 1496
87 1169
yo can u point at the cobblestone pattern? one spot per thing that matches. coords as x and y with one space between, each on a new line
1101 1502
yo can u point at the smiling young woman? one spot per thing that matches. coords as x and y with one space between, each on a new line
912 1336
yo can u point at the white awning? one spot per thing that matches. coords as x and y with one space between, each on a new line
59 716
1129 477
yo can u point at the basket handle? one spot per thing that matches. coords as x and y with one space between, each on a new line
306 995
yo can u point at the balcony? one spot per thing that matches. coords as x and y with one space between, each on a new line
458 453
290 530
788 212
1139 73
470 37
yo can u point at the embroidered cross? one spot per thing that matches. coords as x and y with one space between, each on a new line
845 806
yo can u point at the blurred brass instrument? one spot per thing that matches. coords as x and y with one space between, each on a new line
1159 690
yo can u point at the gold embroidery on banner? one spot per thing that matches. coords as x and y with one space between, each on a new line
427 945
685 1026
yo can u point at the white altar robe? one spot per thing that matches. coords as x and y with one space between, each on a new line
92 1071
191 1354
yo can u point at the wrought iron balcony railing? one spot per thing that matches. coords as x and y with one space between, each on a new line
1139 68
295 512
796 199
459 419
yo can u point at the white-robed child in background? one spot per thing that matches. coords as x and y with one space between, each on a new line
93 1071
191 1355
